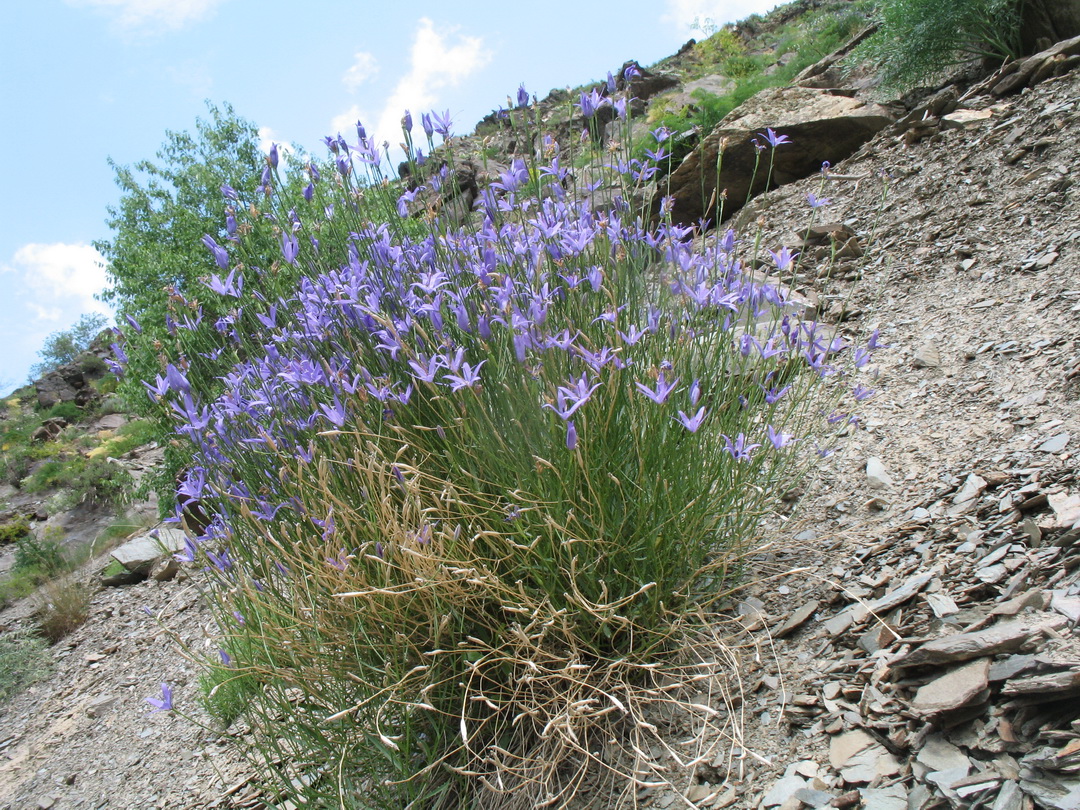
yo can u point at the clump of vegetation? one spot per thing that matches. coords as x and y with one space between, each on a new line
64 410
63 606
13 531
41 557
24 658
37 559
467 520
81 480
92 481
66 346
227 691
917 39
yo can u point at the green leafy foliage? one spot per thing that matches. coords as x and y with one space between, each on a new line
917 39
66 410
43 556
65 346
158 266
13 531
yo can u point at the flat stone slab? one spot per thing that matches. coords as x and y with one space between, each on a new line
954 690
144 550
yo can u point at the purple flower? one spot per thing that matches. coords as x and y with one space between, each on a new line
662 391
739 449
335 413
425 122
861 392
176 379
522 96
166 702
290 247
631 71
442 123
874 343
229 192
226 659
570 399
467 379
273 156
817 202
231 285
692 423
221 256
571 436
695 392
591 102
774 139
133 323
773 395
783 258
406 122
778 439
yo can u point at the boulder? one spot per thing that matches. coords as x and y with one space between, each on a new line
139 555
646 84
822 125
1048 21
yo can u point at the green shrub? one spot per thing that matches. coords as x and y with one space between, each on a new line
131 436
92 365
13 531
66 410
742 67
18 585
24 658
719 46
94 481
43 556
50 474
917 39
101 483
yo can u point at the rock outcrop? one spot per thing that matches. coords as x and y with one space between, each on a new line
734 162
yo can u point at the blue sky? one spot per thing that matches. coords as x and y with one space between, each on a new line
85 80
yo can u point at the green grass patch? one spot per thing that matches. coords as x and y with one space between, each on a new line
24 658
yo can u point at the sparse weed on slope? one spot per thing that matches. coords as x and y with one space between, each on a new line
466 491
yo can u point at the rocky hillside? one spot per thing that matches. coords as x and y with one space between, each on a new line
910 639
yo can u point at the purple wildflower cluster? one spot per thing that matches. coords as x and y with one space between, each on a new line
549 332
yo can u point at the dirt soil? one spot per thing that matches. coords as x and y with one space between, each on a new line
971 271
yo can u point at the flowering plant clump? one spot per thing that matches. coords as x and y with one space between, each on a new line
460 491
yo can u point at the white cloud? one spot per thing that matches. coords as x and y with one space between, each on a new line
151 14
439 59
684 13
364 67
267 138
59 276
345 123
41 313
